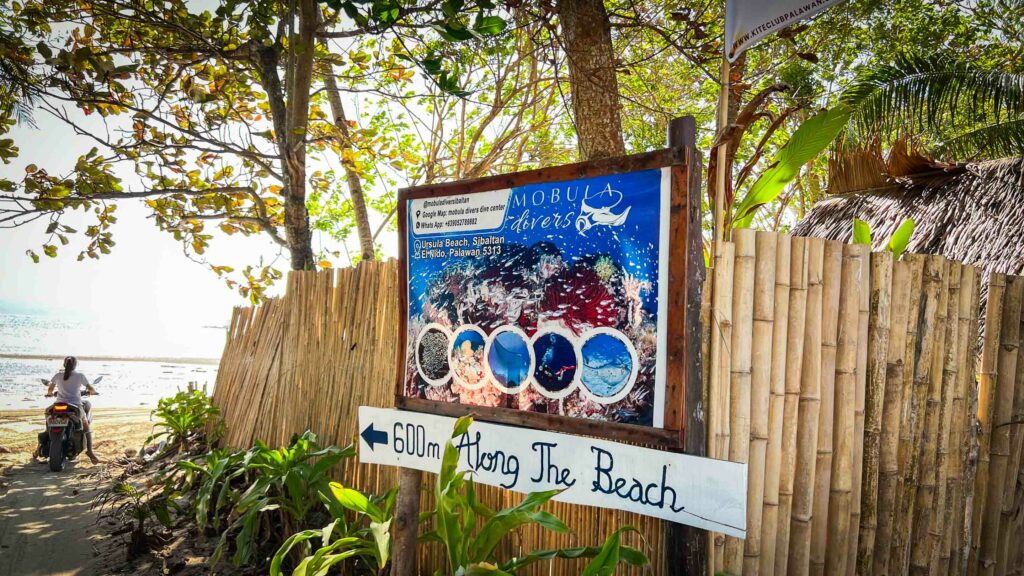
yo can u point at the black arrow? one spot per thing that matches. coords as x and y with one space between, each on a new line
372 436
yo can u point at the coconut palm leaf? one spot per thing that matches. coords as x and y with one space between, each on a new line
940 97
16 79
995 140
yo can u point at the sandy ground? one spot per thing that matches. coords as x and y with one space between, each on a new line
47 526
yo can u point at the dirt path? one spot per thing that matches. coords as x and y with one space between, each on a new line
47 526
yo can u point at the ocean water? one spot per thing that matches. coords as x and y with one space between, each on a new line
139 364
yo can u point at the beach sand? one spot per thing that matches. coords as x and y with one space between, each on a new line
47 525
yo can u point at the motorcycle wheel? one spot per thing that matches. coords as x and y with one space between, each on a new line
56 451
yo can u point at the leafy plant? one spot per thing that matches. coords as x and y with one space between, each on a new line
897 243
471 532
368 538
183 420
288 481
809 140
133 508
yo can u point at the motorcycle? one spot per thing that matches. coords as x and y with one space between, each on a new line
64 437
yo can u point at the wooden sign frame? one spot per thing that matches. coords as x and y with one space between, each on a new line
683 386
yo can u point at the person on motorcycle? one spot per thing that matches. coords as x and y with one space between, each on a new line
67 386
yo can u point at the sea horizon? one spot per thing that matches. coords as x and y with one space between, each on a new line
139 362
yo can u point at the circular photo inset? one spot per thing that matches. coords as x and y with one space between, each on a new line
509 358
557 363
467 357
432 354
609 366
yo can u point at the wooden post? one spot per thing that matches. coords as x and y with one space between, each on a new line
686 548
407 522
722 176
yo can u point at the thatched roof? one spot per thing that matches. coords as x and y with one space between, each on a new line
972 213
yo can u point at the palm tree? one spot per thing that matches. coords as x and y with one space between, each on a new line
949 108
16 79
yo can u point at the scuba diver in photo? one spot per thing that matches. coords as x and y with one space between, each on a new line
67 386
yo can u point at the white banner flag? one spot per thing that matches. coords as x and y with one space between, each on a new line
747 21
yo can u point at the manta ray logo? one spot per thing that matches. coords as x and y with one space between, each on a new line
597 210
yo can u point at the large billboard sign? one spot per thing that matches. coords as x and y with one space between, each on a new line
544 294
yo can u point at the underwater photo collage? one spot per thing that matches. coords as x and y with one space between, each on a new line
601 363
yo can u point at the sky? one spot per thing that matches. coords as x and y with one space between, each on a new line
146 279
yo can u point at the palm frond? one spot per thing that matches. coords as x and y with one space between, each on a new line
17 82
993 140
929 93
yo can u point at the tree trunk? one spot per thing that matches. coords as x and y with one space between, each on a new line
595 91
289 107
355 186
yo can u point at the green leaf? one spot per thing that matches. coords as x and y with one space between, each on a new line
605 562
901 238
490 25
861 232
809 140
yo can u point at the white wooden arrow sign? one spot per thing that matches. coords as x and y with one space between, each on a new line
700 492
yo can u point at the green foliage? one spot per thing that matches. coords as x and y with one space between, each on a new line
901 238
367 539
809 140
183 420
254 497
287 481
133 508
861 232
897 243
955 108
471 532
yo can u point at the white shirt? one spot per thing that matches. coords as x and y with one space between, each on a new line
70 390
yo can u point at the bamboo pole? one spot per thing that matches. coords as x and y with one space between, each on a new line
899 534
924 499
875 396
942 517
987 377
844 409
999 451
777 405
970 429
1007 523
896 364
831 287
795 332
860 401
915 386
740 377
798 563
760 393
711 407
720 365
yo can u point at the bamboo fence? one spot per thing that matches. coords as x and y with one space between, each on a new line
883 436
